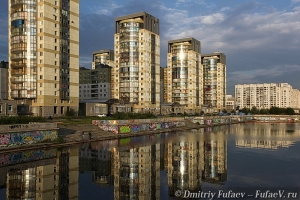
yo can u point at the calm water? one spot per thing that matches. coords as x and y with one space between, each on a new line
226 161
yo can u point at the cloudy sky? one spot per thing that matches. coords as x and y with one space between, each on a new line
261 38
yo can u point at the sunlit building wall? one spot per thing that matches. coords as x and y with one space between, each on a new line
183 75
266 95
136 75
43 43
103 57
214 71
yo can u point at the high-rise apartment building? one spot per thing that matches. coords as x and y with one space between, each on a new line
135 77
44 55
214 70
103 57
266 95
184 74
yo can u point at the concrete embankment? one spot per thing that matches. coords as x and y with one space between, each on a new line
72 135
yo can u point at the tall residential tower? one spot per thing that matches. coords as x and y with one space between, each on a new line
184 74
44 55
214 70
135 77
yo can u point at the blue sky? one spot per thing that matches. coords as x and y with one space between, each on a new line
259 37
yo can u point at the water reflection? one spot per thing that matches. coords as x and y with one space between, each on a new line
265 136
48 178
148 167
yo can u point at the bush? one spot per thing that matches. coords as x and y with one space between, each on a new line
127 115
21 119
70 113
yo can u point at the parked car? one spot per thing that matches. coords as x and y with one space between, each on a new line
102 115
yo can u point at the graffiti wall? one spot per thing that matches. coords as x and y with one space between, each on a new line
27 137
136 128
210 120
26 156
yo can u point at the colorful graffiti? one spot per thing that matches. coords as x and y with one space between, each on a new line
27 137
4 139
26 156
135 128
125 129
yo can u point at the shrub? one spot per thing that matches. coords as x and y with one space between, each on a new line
70 113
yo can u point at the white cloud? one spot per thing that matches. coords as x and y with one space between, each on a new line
105 9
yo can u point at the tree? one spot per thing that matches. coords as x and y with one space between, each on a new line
289 111
264 111
245 110
254 110
224 111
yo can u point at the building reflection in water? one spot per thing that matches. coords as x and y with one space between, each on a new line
259 137
190 163
52 178
137 172
97 161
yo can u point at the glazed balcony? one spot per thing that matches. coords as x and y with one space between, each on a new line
18 57
17 66
16 3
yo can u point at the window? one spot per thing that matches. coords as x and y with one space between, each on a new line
41 37
55 85
41 53
41 30
41 84
41 76
10 107
55 77
55 93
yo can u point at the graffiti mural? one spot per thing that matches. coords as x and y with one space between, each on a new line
135 128
124 129
27 137
26 156
4 140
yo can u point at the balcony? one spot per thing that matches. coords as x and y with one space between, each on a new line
17 66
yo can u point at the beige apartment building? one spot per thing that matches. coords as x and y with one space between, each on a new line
266 95
183 75
44 55
214 70
136 75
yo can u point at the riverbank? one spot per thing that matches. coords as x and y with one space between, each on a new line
72 135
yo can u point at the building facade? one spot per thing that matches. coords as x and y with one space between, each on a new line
230 103
214 71
95 83
103 57
266 95
44 55
183 75
3 80
136 75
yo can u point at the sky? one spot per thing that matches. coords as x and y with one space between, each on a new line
260 38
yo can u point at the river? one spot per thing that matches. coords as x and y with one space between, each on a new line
242 161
